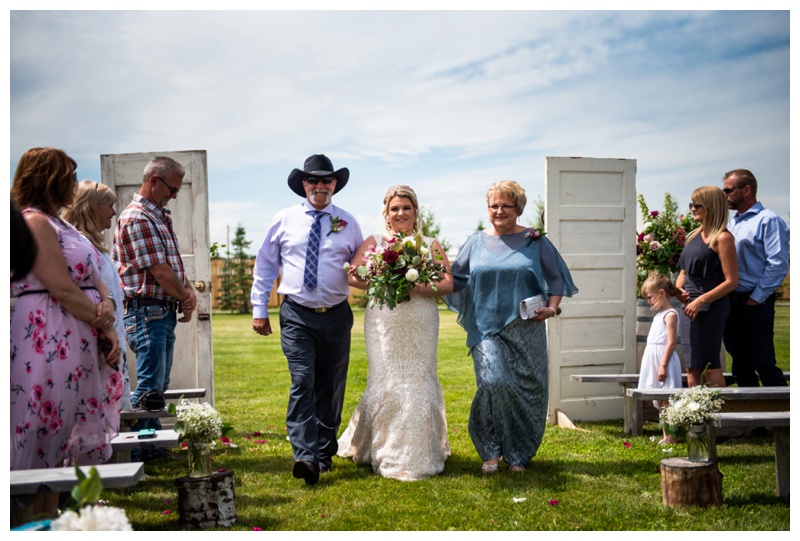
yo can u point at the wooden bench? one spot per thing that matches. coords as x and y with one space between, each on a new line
632 408
125 442
777 422
736 399
175 394
28 482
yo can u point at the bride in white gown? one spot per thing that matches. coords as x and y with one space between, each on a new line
399 426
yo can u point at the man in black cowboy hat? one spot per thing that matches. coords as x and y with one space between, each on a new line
308 245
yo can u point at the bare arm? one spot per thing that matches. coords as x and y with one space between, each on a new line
443 286
671 320
353 279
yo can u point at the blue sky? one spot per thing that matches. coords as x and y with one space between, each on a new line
447 102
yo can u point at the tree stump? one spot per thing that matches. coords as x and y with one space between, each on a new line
685 483
207 502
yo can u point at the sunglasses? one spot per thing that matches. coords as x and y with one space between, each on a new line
318 180
729 190
695 205
172 191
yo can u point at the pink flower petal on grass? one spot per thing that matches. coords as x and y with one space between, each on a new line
553 502
256 434
257 529
221 470
626 444
168 501
166 512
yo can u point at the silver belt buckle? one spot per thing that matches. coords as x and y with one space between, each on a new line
320 310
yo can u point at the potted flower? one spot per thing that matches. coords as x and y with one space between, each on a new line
688 415
199 425
660 243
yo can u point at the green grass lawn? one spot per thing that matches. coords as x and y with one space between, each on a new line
579 480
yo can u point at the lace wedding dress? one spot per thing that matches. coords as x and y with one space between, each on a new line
399 426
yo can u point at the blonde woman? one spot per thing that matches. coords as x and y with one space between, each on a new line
91 212
708 272
496 269
399 426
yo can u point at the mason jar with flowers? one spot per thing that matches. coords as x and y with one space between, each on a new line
688 415
199 425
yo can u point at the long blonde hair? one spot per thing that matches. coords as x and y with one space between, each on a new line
83 214
715 218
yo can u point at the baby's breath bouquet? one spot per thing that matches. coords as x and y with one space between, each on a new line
395 266
199 425
198 422
693 406
92 518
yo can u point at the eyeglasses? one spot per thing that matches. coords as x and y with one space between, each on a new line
495 208
729 190
695 205
172 191
317 180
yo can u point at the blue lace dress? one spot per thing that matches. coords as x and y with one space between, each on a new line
492 274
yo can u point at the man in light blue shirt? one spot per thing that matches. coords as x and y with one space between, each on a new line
308 245
762 251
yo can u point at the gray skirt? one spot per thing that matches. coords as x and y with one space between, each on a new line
509 410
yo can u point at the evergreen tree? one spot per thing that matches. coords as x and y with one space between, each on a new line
432 228
238 276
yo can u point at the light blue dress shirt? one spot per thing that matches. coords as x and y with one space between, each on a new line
762 251
283 253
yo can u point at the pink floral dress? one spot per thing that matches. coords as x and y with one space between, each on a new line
64 399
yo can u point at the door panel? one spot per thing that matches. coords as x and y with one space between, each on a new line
591 218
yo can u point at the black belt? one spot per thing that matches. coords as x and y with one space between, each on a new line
43 291
320 310
739 296
150 301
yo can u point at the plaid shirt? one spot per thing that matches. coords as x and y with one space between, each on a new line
143 238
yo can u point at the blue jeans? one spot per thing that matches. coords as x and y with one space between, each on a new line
150 333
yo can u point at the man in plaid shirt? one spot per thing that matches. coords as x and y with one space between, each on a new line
149 263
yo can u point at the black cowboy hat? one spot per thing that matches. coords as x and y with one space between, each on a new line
318 166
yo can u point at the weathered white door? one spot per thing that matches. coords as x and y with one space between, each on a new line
591 218
193 364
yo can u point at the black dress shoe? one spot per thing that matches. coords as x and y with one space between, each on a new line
306 470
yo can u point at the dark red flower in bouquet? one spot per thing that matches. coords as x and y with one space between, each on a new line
390 257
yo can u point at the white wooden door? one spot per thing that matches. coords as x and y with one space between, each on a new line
591 218
193 362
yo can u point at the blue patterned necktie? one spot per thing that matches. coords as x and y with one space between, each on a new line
312 252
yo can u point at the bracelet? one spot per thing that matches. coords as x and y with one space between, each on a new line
555 313
113 302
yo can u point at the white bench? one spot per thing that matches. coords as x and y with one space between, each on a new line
737 399
125 442
27 482
777 422
632 408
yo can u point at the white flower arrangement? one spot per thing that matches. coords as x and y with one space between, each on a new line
93 518
198 422
694 406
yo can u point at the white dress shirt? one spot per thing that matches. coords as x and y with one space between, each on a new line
283 253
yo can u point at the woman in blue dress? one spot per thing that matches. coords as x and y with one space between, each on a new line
495 270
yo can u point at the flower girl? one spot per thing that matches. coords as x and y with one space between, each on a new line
661 367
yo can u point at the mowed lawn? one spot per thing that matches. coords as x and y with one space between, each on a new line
592 479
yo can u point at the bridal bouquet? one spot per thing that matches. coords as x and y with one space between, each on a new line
396 266
694 406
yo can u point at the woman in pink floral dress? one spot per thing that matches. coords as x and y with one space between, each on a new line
64 392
